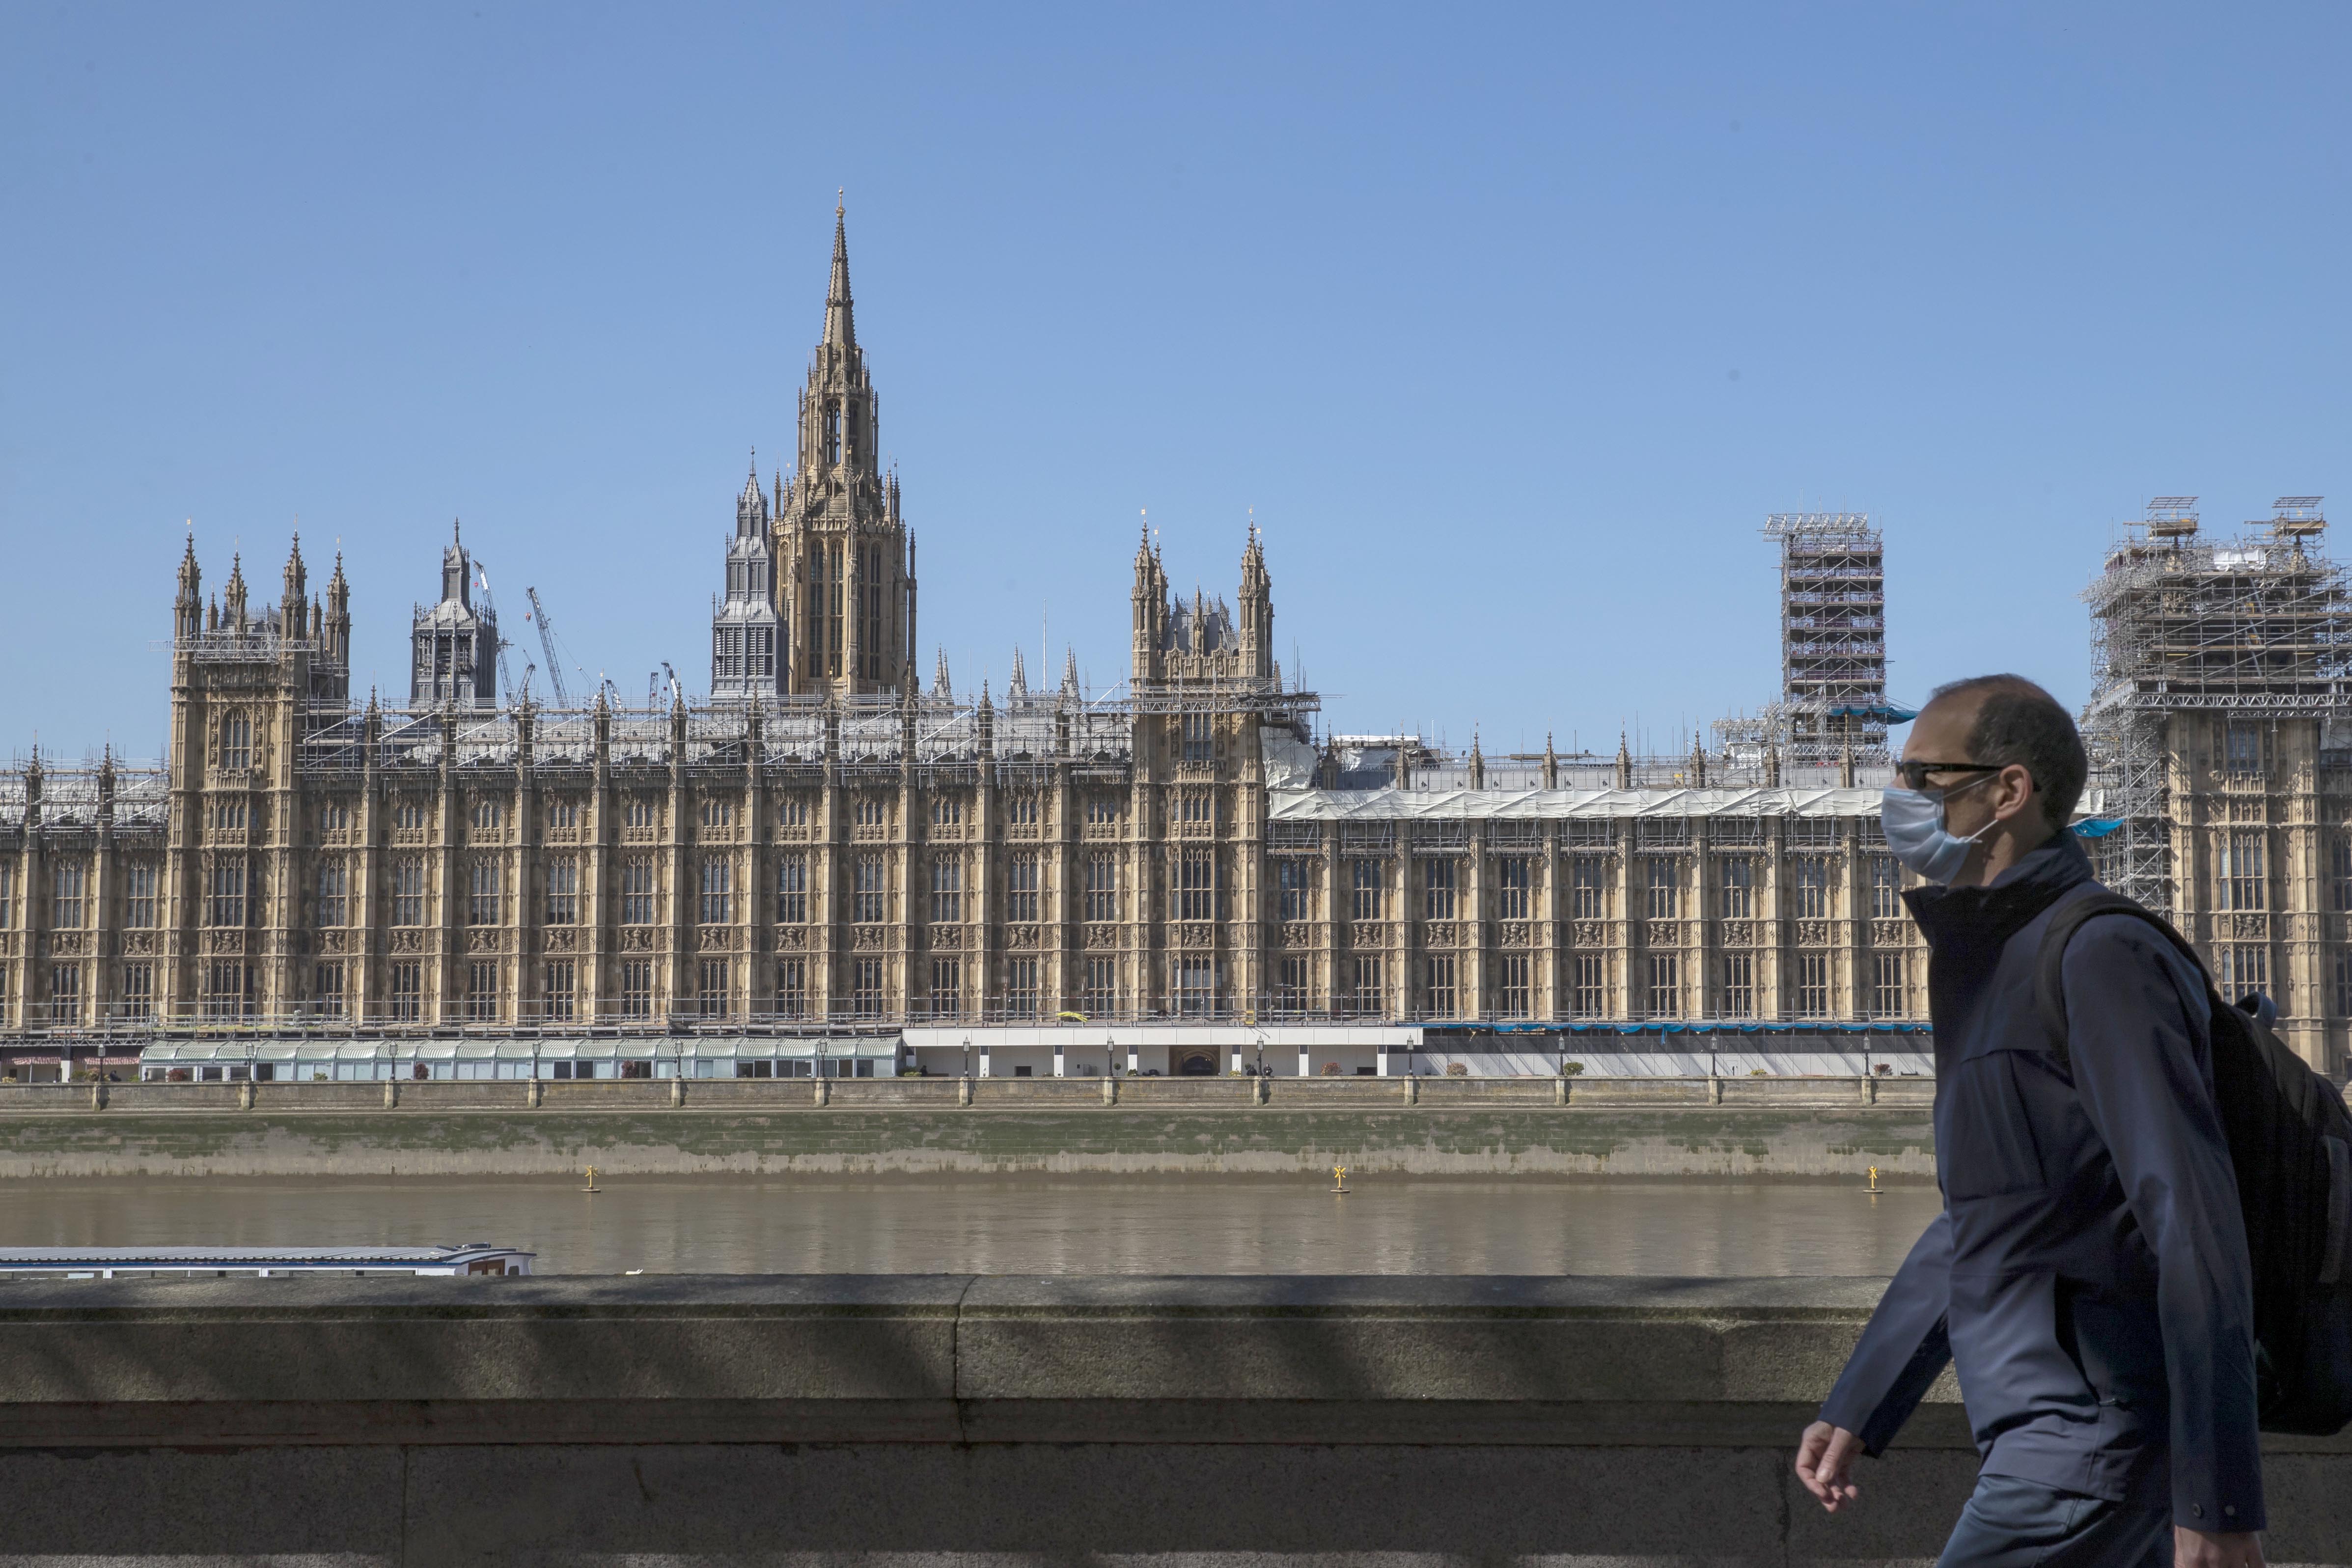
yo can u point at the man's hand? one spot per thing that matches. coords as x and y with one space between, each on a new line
1825 1453
2195 1549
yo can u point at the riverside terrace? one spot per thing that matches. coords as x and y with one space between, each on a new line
1075 1049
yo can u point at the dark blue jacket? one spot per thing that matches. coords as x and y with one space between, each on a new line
2089 1276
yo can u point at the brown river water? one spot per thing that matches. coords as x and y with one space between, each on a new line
1021 1225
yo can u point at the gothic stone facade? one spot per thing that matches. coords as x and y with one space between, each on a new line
916 858
827 843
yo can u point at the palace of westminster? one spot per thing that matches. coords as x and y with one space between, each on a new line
828 846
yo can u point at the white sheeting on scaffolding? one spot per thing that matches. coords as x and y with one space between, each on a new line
1094 1035
1291 796
1394 805
1730 1062
1289 762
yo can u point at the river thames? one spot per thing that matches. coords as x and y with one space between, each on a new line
1023 1225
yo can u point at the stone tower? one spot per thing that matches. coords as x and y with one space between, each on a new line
746 634
845 589
1177 639
454 647
243 685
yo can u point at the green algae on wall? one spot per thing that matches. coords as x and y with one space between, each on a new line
1715 1141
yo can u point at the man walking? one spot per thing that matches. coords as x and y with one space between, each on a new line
2089 1276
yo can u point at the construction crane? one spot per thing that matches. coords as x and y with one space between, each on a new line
490 609
547 646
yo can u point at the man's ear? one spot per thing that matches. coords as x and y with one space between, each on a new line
2015 787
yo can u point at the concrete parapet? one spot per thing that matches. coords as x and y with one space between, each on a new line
931 1420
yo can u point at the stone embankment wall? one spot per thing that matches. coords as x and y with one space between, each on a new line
904 1422
1429 1126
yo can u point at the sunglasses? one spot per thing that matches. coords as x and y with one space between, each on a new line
1915 773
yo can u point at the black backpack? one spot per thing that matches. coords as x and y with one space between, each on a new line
2291 1140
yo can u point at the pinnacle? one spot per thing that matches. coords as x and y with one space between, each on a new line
840 330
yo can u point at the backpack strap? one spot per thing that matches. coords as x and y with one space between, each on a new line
2048 975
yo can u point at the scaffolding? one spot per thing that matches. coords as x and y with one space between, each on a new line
2260 625
1833 637
860 730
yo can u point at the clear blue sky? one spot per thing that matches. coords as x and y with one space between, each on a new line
1512 324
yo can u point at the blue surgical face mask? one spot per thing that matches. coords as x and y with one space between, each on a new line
1913 821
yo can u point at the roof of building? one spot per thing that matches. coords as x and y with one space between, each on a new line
1392 804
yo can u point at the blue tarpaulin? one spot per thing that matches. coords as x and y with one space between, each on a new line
1890 713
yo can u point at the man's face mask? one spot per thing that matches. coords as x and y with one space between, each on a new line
1913 821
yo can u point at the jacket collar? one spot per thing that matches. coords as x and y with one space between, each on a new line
1956 919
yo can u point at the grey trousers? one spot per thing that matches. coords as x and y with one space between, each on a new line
2012 1523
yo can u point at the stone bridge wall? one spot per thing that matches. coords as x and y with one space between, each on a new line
922 1420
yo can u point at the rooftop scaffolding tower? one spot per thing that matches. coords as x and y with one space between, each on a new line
1832 635
2259 626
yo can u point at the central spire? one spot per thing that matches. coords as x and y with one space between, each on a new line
840 330
845 576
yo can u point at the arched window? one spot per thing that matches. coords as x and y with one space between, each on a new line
237 743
